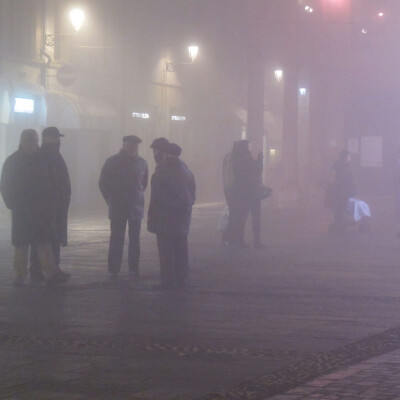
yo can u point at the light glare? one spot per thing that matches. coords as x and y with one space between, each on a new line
193 52
26 106
77 17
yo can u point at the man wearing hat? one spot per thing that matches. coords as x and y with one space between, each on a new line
56 204
173 192
123 180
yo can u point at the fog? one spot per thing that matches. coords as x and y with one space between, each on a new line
338 89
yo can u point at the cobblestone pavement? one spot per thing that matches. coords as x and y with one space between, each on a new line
376 378
252 325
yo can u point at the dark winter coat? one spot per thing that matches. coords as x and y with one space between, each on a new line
57 176
344 186
173 193
26 193
122 183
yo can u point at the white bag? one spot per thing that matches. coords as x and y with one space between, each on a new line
223 220
358 209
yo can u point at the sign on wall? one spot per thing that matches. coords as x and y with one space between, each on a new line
371 151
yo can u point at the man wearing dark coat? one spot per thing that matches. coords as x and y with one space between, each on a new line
26 192
173 193
123 180
57 177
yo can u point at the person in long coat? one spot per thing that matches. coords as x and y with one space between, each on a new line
123 180
343 188
26 192
173 193
57 176
242 191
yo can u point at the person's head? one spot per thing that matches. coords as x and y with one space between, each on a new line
130 145
51 138
174 150
160 147
29 141
241 148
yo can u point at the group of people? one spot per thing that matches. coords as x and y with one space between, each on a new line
35 186
123 180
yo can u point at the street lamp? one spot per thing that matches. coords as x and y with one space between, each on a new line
278 75
193 52
77 17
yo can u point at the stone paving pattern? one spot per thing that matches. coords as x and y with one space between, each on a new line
253 324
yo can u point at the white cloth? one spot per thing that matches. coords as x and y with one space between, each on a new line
358 209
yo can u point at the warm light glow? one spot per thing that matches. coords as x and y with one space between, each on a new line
278 75
309 9
381 14
26 106
77 17
193 52
364 31
303 91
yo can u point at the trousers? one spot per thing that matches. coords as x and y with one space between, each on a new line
173 252
116 248
46 260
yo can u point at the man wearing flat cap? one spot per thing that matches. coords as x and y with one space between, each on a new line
173 193
123 180
56 204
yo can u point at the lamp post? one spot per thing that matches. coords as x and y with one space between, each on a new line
77 18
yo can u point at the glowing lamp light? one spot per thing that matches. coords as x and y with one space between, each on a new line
278 75
381 14
308 9
77 17
193 52
303 91
364 31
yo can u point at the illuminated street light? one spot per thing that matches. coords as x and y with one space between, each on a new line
309 9
303 91
193 52
77 17
364 31
278 75
381 14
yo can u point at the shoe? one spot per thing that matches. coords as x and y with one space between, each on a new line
58 279
19 281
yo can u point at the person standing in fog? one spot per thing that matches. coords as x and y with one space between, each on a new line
242 184
343 188
123 180
173 193
26 191
56 174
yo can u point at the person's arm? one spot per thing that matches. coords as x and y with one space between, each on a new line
105 181
6 184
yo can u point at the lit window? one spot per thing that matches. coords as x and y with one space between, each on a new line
140 115
26 106
178 118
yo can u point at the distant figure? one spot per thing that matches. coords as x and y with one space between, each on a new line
57 176
123 180
347 210
173 193
242 187
26 191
